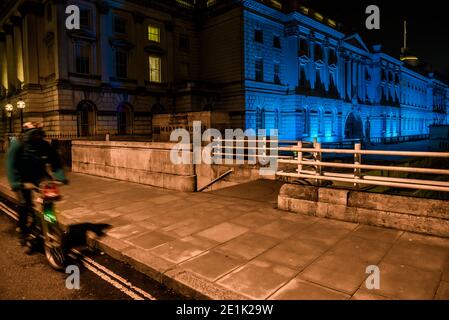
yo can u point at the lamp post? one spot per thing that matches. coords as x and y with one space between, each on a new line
9 108
21 105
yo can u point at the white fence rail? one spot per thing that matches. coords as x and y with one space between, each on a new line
306 158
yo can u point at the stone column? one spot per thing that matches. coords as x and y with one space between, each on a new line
141 36
30 47
3 63
11 57
291 58
105 52
17 26
61 41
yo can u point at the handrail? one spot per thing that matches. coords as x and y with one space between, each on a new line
216 180
311 158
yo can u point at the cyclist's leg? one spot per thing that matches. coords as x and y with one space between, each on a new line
25 207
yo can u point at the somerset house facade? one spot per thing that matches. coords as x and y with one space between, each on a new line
141 67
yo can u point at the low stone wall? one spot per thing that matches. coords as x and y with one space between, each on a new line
398 212
141 162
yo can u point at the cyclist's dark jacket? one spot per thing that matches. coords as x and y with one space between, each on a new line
26 160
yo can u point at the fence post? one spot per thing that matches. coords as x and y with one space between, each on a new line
299 157
357 161
317 157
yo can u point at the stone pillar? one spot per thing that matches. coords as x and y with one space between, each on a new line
291 58
348 77
17 26
105 52
30 48
11 57
61 41
141 36
3 63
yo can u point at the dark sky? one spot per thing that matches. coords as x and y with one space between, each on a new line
427 24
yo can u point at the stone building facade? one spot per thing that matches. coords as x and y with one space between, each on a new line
142 67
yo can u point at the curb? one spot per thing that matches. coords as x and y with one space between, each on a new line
166 273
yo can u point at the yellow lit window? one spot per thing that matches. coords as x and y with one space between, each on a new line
155 69
304 10
318 16
277 4
154 34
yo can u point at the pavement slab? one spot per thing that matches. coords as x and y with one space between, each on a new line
298 289
405 282
248 245
223 232
422 256
295 254
443 291
257 281
177 251
212 265
369 251
150 240
338 271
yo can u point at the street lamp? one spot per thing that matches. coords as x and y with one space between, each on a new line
9 108
21 105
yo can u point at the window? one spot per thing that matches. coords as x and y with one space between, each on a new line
258 35
85 19
86 119
155 69
384 75
332 56
184 42
277 42
121 63
259 69
82 58
154 34
318 52
124 119
303 47
277 74
119 25
185 70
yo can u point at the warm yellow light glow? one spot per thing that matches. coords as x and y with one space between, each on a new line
304 10
276 4
155 69
9 107
407 58
21 104
318 16
154 33
332 23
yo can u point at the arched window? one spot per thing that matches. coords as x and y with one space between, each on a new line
124 119
87 119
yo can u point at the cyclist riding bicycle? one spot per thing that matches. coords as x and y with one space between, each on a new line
26 162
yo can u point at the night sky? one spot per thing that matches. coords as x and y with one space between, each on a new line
427 24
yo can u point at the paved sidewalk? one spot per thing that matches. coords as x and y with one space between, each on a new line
221 246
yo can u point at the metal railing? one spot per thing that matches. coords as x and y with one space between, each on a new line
317 170
307 161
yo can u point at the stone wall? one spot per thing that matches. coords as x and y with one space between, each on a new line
141 162
398 212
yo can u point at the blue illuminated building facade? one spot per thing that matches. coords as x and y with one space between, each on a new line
309 80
